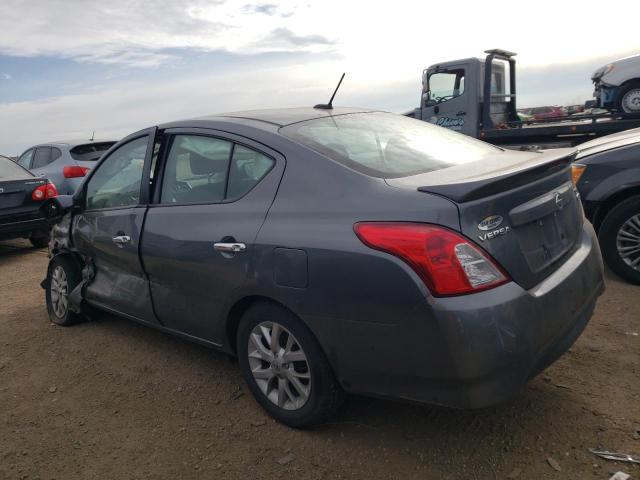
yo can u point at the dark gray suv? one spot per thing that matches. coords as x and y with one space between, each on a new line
336 250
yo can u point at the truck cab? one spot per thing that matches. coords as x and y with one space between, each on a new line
471 94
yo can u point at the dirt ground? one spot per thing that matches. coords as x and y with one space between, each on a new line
115 400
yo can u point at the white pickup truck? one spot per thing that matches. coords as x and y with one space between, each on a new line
618 85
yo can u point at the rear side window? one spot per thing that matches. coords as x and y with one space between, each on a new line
196 170
201 169
55 154
90 152
42 157
386 145
248 167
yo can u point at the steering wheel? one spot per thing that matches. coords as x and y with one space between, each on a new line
444 97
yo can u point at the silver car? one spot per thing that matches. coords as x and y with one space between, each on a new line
64 163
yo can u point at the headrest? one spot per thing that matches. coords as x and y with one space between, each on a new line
201 165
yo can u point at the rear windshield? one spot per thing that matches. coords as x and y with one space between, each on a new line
387 145
9 170
90 152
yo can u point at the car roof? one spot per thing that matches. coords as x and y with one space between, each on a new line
72 143
276 116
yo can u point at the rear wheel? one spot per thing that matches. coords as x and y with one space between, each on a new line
619 237
63 276
285 368
629 98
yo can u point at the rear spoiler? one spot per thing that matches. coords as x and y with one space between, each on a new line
485 187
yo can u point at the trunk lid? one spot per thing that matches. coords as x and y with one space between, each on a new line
521 208
15 198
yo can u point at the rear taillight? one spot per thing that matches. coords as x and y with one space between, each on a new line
74 171
44 192
447 262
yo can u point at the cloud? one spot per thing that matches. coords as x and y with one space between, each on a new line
136 33
265 8
284 39
6 76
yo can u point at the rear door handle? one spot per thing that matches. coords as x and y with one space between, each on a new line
229 247
121 240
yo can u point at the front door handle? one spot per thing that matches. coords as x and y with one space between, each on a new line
121 240
461 113
229 247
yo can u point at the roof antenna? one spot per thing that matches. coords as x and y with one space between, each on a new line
329 106
93 135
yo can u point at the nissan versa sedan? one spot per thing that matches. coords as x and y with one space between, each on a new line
336 251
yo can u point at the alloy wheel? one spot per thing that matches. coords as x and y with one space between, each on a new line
628 242
59 291
279 365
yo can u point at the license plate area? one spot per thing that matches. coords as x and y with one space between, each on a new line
549 227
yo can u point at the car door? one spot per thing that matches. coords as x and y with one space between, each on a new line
107 230
446 100
214 194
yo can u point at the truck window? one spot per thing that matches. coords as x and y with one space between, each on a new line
445 85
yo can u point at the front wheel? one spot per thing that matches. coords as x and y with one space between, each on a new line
63 276
629 98
619 237
285 368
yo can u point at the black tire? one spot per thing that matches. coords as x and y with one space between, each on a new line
39 241
325 395
608 237
635 85
57 315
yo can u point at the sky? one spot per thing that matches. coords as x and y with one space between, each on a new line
72 67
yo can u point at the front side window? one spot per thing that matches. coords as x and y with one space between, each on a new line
116 182
445 85
386 145
42 157
25 159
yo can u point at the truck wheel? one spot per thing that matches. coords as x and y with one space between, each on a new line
619 237
285 368
629 98
62 277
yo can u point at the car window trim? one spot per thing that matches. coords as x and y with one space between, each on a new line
234 139
114 148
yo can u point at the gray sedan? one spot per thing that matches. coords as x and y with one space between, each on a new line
64 163
336 251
